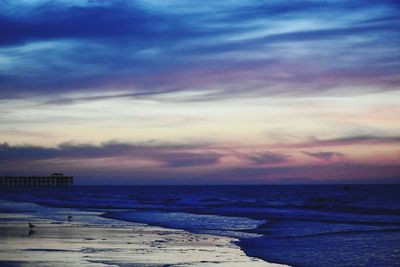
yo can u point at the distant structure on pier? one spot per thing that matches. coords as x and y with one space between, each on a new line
56 179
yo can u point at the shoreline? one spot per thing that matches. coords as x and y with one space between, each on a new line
75 245
53 243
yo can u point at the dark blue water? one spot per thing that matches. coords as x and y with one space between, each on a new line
320 225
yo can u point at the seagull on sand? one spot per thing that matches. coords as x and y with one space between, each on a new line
31 225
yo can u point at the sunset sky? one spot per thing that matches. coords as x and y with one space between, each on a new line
201 92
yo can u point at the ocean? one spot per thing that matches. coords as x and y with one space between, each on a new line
298 225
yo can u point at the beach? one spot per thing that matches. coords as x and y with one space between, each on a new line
200 226
70 244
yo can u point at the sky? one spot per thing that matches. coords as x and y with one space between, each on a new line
201 92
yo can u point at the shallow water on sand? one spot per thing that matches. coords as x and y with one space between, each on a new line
85 239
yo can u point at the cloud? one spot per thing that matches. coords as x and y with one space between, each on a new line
257 10
334 172
74 150
351 140
251 48
268 158
115 162
182 159
343 141
325 155
49 22
260 158
169 155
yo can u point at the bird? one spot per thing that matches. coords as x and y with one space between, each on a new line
69 217
31 225
31 232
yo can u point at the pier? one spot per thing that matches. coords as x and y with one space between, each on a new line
55 180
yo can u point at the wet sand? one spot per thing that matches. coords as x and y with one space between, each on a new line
66 244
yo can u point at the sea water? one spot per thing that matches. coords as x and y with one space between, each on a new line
302 225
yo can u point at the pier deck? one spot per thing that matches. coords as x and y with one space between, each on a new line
56 179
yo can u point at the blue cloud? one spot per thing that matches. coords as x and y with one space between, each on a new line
59 48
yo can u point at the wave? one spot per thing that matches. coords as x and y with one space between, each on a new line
345 232
224 225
